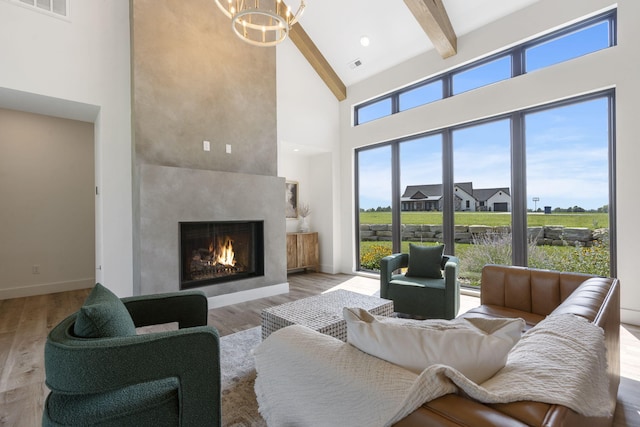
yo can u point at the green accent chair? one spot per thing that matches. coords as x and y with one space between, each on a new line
100 372
431 297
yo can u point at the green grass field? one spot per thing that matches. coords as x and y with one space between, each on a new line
590 220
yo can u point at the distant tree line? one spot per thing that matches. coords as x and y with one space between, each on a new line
602 209
378 209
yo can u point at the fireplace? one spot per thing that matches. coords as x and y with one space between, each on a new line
217 252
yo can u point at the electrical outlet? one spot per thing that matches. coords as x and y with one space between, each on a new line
206 145
228 149
35 269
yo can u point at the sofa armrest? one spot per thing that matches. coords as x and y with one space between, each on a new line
451 266
388 265
188 308
452 286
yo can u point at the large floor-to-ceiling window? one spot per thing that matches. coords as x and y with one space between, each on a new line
482 194
533 187
568 186
374 206
421 201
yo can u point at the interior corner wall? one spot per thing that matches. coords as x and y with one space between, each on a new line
308 122
615 67
79 69
295 167
321 185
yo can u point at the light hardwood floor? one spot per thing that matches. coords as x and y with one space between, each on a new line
25 322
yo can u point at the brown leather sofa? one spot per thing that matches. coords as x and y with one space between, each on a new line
532 295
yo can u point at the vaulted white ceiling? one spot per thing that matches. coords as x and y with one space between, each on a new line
336 26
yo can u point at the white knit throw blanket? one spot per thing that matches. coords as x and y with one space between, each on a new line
307 379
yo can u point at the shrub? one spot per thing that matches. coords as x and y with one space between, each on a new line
590 260
494 249
487 249
370 257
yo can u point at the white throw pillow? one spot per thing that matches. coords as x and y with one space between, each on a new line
476 347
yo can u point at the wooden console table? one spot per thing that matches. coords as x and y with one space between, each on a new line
302 251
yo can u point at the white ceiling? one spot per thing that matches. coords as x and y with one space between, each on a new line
336 26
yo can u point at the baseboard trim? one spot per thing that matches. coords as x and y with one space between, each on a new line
631 317
46 288
249 295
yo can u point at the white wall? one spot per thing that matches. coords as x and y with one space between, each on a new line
47 216
308 122
614 67
79 69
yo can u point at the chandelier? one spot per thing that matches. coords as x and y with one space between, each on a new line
261 22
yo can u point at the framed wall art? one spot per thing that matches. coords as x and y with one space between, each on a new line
291 199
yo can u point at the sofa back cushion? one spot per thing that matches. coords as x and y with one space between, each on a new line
103 315
526 289
587 300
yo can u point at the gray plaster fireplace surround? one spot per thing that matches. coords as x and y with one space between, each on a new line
170 196
202 85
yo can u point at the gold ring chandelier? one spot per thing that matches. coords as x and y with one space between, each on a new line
261 22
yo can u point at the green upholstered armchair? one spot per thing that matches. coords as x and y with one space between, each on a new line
169 378
424 297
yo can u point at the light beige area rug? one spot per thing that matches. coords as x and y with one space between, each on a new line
239 405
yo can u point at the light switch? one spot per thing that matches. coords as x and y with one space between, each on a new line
206 145
228 149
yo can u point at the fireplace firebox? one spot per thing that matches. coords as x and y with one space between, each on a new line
217 252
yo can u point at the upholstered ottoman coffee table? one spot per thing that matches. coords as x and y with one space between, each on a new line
322 313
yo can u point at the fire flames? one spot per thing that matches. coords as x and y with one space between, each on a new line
214 261
225 255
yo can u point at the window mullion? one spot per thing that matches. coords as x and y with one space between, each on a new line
447 87
448 225
517 62
395 103
518 191
396 221
613 232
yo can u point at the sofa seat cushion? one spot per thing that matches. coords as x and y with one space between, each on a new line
419 297
150 404
493 311
455 410
422 282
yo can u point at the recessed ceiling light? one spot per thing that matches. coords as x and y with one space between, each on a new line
364 41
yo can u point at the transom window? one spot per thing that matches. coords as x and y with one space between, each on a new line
574 41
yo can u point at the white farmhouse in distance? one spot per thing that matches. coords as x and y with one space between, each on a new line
429 198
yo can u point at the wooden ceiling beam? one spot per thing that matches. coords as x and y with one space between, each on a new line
309 50
434 20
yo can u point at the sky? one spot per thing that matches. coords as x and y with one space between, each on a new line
566 147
